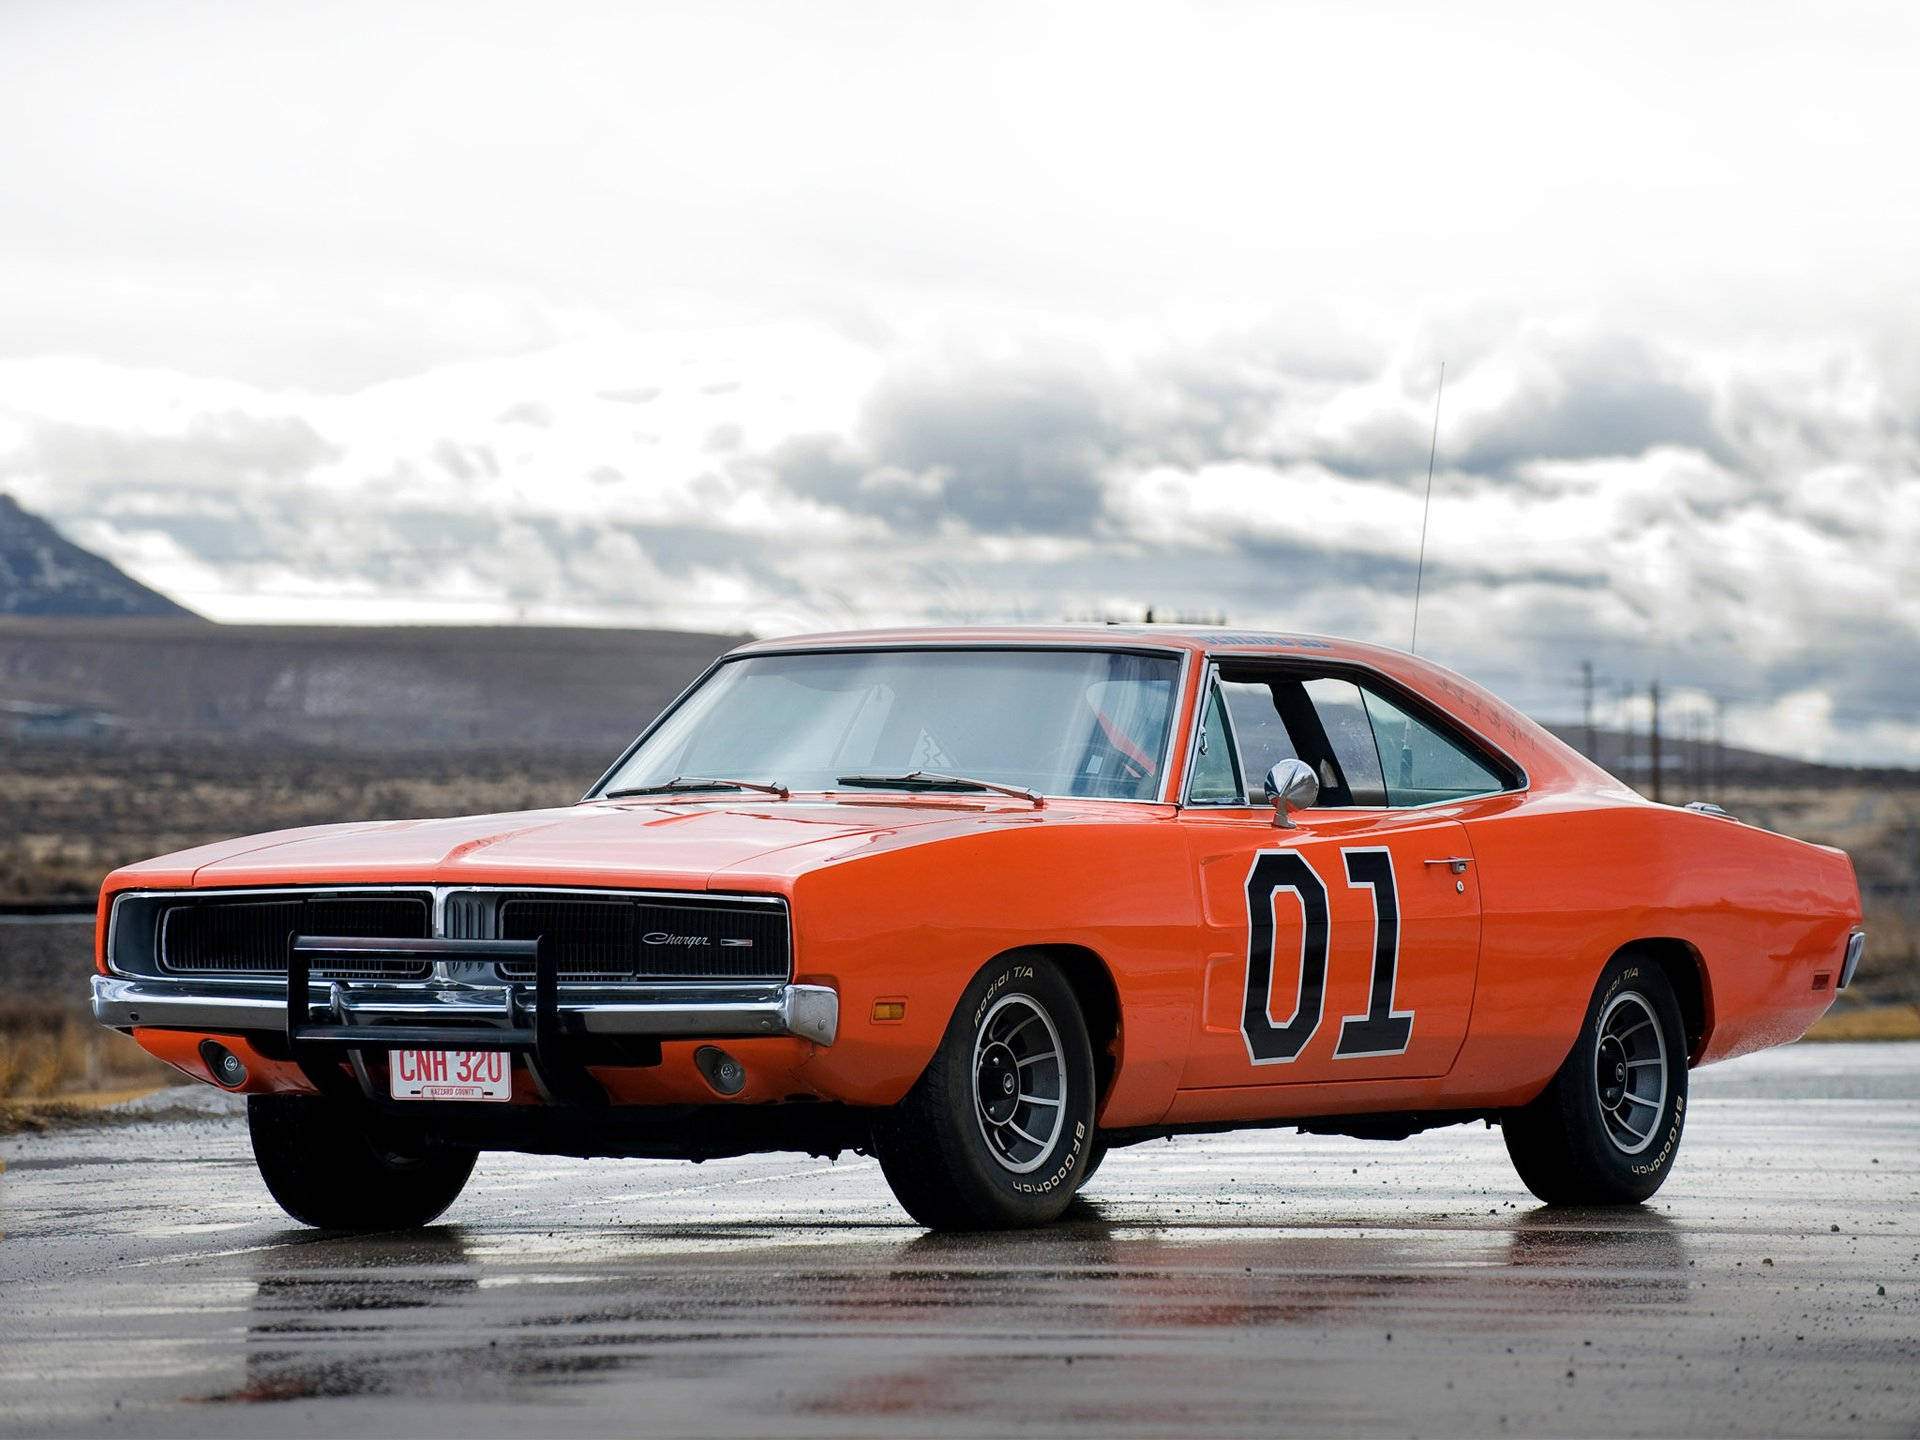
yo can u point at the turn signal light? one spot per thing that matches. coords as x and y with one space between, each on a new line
889 1010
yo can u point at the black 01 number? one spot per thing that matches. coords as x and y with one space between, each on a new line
1382 1030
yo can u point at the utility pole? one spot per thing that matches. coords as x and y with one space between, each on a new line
1719 750
1653 737
1627 737
1586 689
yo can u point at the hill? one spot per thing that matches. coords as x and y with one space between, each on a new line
390 689
44 573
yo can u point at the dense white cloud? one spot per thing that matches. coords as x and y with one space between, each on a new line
795 479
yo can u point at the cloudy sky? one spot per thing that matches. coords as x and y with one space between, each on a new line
768 317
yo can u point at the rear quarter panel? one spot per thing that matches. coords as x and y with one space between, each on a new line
1567 881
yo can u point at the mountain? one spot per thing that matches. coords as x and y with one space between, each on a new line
44 573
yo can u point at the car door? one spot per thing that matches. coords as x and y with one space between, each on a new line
1346 946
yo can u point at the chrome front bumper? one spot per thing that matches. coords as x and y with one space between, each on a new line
811 1012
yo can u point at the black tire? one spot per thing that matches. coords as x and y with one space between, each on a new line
935 1146
335 1167
1587 1139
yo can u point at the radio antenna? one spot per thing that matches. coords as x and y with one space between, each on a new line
1420 570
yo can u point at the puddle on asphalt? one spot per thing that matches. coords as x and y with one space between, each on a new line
451 1309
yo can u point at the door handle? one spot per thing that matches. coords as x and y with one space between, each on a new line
1456 863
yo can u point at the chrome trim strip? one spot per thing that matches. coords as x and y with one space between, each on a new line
113 922
1856 949
1167 796
1200 697
695 895
1264 812
1209 682
811 1012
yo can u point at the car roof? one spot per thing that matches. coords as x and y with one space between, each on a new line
1207 639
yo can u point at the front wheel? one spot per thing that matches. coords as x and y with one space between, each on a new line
998 1131
1605 1130
334 1168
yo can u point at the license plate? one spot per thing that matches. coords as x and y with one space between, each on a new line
450 1074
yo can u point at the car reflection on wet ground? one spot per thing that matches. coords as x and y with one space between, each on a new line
1251 1284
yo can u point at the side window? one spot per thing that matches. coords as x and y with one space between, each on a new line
1258 732
1367 750
1420 764
1342 712
1214 779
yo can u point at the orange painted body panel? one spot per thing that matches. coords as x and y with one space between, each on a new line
181 1049
906 897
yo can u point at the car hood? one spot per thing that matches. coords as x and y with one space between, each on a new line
679 844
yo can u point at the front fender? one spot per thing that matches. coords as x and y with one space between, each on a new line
914 925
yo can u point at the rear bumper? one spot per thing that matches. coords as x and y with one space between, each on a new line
811 1012
1856 948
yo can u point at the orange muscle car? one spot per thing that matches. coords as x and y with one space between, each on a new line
985 903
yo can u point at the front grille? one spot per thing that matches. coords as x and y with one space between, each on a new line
597 937
593 938
221 936
650 940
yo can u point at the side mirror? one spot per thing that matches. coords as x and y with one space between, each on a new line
1291 785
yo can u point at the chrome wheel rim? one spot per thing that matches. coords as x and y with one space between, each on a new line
1630 1072
1019 1083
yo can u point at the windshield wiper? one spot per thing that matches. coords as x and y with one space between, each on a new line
933 780
695 782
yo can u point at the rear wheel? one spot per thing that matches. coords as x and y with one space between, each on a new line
334 1167
1606 1130
998 1131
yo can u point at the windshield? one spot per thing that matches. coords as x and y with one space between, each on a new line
1060 722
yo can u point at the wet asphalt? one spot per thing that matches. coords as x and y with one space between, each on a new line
1255 1284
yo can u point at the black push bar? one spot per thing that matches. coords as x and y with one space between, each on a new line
545 1042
